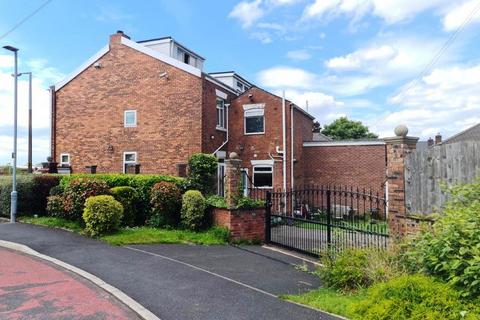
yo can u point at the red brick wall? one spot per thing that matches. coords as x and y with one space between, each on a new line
243 224
209 117
357 166
258 147
90 112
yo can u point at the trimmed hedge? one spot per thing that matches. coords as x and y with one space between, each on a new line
128 197
102 215
166 202
193 210
33 191
79 190
142 183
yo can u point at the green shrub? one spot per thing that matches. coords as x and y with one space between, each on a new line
193 210
33 191
79 190
165 201
128 197
450 250
102 215
216 201
56 191
414 297
354 269
247 203
202 171
56 206
142 183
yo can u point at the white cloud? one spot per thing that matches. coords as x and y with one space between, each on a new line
287 77
299 55
43 76
456 16
360 58
263 37
391 11
282 2
385 62
447 101
247 12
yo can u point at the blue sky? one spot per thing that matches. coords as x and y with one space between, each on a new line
363 59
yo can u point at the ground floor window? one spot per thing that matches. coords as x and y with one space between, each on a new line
129 160
263 176
65 159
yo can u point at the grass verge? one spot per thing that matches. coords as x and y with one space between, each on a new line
327 300
147 235
140 235
53 222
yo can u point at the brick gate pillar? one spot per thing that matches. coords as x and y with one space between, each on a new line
233 171
397 148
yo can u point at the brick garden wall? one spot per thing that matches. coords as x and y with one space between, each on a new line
362 166
243 224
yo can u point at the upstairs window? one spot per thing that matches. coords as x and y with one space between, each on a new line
263 176
130 118
254 119
221 114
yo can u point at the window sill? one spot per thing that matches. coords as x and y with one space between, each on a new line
221 129
129 127
253 133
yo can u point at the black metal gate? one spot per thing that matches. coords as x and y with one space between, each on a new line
318 218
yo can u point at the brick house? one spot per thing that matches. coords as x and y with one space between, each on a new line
150 103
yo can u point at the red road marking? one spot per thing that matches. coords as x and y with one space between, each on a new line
31 288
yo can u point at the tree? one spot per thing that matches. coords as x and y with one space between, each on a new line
343 128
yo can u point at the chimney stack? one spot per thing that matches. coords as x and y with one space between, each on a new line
430 142
116 37
438 138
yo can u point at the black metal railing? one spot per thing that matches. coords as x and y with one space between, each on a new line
314 219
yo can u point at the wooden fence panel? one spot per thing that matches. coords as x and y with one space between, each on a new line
427 170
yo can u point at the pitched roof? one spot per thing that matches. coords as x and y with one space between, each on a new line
472 133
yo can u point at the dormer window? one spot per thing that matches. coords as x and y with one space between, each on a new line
186 58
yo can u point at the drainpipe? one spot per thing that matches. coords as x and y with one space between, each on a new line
53 121
284 133
227 106
292 184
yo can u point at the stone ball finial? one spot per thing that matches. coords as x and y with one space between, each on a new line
401 130
234 155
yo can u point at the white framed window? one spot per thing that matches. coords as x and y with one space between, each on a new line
64 159
130 118
221 114
263 176
129 159
254 119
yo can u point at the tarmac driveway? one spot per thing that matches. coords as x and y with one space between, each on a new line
181 281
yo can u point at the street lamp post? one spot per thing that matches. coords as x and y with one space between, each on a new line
29 119
14 195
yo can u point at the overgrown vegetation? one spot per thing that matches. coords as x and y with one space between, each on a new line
201 172
433 275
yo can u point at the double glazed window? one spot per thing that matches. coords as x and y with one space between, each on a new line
221 114
65 159
129 160
263 176
130 118
254 119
